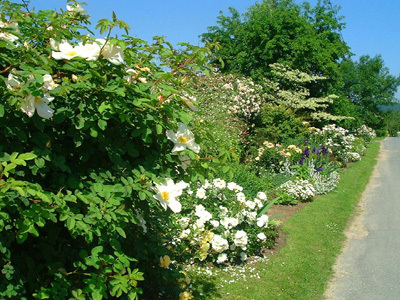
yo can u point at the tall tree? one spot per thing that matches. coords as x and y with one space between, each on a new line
369 85
280 31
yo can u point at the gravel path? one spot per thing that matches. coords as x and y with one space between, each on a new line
369 267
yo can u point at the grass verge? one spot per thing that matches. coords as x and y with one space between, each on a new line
315 236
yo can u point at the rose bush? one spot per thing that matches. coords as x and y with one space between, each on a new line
89 159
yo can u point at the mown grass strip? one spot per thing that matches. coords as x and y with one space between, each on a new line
315 237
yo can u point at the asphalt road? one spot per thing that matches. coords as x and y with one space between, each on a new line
369 267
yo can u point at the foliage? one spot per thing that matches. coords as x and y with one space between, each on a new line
227 106
302 37
368 84
288 88
392 120
246 176
79 168
279 124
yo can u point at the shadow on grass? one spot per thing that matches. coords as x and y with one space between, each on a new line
206 287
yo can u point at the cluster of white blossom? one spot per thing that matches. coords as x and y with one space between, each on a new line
225 225
353 156
7 33
90 50
339 141
300 189
247 98
15 81
167 192
366 133
296 95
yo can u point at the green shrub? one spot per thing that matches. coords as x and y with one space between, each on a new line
279 124
87 132
246 177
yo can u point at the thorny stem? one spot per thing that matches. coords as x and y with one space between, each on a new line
6 69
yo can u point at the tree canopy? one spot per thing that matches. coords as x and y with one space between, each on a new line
369 85
280 31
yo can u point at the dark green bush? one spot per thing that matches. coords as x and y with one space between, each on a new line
279 124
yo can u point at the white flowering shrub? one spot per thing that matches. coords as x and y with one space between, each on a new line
345 146
277 158
289 89
220 224
366 133
96 147
337 139
353 156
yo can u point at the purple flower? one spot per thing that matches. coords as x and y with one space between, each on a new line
300 162
324 150
314 149
306 152
319 169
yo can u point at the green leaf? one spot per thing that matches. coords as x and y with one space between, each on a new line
20 191
265 209
103 106
13 156
159 129
185 117
121 232
39 162
142 195
19 162
27 156
102 124
44 197
1 110
96 250
93 132
21 237
71 223
33 230
97 187
81 123
225 169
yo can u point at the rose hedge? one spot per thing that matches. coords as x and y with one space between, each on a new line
83 143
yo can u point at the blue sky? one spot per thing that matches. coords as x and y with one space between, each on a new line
373 26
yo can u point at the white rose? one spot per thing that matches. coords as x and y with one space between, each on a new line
261 196
219 244
240 197
201 193
261 236
214 223
262 221
222 258
240 239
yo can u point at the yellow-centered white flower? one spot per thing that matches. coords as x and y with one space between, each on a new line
168 192
183 139
13 82
5 33
113 53
48 83
67 51
40 105
78 9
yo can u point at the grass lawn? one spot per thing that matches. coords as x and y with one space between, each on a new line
314 235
